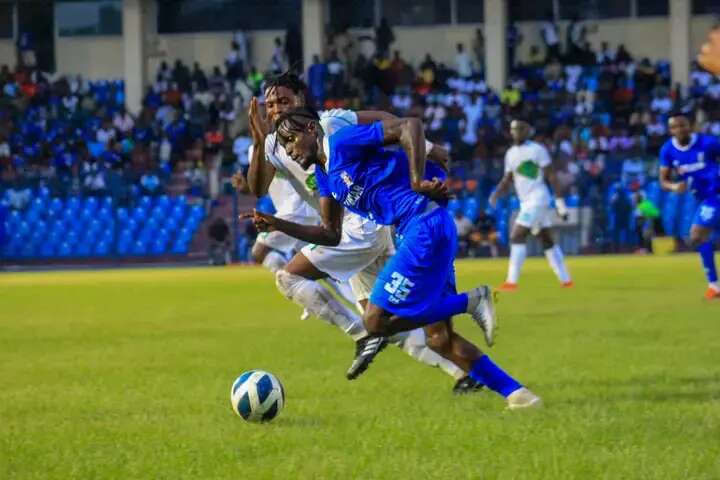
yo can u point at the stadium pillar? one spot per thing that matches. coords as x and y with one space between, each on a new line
314 18
496 18
680 41
134 32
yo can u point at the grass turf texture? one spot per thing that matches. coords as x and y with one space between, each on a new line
126 374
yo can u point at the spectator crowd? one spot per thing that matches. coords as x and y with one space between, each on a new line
602 115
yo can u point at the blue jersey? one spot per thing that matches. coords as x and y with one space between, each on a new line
370 180
698 164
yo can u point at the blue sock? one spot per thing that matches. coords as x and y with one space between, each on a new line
485 371
446 308
707 254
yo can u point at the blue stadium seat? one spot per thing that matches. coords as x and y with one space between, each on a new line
122 214
64 250
84 249
107 202
102 248
145 202
163 202
91 204
180 248
139 214
139 248
158 247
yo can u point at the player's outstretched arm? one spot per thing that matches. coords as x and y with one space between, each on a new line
260 172
434 152
501 189
328 233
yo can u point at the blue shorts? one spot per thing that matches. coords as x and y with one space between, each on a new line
421 272
708 214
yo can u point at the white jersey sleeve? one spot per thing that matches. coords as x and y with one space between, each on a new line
543 157
333 120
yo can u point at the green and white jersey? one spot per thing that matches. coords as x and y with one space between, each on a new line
526 162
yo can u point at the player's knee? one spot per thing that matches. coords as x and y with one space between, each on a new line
287 282
517 237
439 342
258 253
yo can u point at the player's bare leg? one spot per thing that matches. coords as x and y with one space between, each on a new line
414 343
442 339
518 253
555 257
700 240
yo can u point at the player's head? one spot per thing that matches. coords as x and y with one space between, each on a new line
680 127
283 93
520 130
298 131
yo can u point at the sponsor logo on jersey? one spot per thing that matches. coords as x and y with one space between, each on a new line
311 183
529 169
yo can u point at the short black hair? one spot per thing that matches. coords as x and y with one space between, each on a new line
678 113
297 118
288 80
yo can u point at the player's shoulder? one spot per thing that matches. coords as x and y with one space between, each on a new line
336 119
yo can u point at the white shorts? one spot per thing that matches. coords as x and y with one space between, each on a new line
535 216
282 242
362 283
359 249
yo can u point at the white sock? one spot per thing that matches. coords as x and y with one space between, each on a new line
318 300
274 261
557 262
414 345
518 252
715 286
343 289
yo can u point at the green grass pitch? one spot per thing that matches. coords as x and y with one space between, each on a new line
126 375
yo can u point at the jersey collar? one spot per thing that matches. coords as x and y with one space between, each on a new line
693 139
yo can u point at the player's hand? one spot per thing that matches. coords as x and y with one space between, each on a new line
709 57
238 181
435 189
679 187
262 221
259 124
562 209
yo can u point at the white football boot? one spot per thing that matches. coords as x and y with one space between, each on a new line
523 398
481 305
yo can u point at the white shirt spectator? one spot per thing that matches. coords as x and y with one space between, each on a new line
123 123
240 149
598 144
165 150
463 64
70 102
661 104
242 44
104 135
434 116
4 150
401 102
657 128
473 113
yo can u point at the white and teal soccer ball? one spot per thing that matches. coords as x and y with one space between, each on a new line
257 396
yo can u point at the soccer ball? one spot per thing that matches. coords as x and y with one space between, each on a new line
257 396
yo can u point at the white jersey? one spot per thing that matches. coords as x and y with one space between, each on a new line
303 181
526 162
288 204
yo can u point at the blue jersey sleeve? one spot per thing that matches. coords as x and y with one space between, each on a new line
321 177
665 156
368 135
